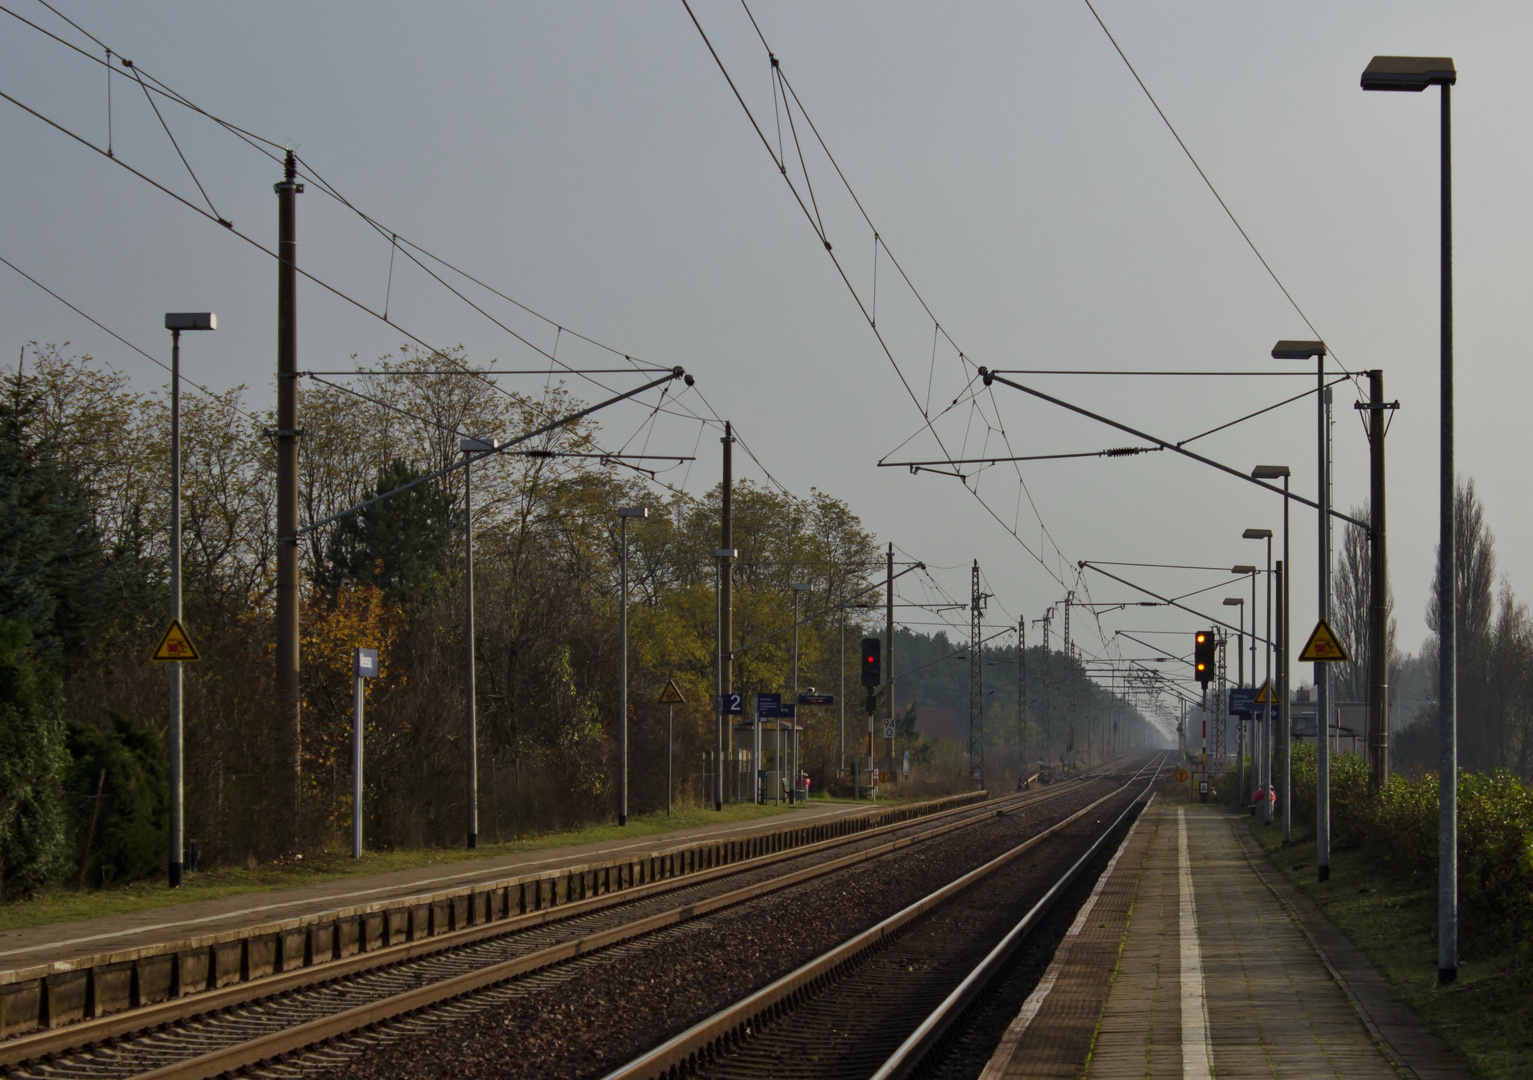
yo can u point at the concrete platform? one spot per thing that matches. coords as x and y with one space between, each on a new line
55 975
1193 959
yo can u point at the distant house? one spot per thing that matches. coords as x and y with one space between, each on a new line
935 722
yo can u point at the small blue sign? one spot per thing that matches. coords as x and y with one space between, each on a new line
768 706
732 704
366 663
1243 700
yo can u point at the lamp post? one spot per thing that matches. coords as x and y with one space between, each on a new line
841 700
1315 350
364 665
1257 725
1280 472
1416 73
623 514
1240 637
720 557
1240 680
470 447
176 322
798 590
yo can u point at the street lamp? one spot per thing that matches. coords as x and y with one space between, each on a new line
623 514
841 700
1257 725
720 732
798 590
1240 680
1315 350
469 447
1280 472
176 322
1240 637
1416 73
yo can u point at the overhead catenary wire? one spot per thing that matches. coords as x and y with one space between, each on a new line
1209 183
113 333
275 150
792 99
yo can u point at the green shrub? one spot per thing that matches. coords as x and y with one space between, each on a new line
131 834
32 759
1398 827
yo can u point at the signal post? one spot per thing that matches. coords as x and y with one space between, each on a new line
872 677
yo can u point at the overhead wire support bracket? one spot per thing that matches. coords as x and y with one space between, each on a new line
674 373
991 377
824 611
928 466
1087 563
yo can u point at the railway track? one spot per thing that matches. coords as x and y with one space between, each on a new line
431 981
884 1003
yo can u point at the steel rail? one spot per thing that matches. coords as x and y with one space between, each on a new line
913 1051
699 1043
238 1055
41 1044
255 1051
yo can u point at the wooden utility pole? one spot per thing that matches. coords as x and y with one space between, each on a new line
726 634
889 654
290 719
1378 589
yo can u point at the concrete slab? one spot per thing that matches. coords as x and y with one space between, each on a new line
1191 963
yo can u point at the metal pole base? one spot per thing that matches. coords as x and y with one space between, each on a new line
175 874
473 841
622 819
1446 976
1325 873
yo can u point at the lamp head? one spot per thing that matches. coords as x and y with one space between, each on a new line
1256 534
191 320
1231 601
1298 350
801 586
1242 569
1270 472
633 511
1412 73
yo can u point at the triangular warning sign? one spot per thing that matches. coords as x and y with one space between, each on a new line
1323 646
176 644
671 695
1265 696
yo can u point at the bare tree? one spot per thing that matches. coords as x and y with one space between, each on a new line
1474 572
1353 584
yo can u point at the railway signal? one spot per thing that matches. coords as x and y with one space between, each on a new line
1203 656
872 661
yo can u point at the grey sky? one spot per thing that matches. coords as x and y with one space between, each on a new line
590 160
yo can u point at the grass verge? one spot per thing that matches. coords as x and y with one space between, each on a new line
68 905
1486 1017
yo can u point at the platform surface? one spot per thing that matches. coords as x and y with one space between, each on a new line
1185 963
65 941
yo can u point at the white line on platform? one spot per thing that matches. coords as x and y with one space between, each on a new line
995 1068
1197 1063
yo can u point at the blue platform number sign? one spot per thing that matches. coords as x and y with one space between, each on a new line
366 663
732 704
